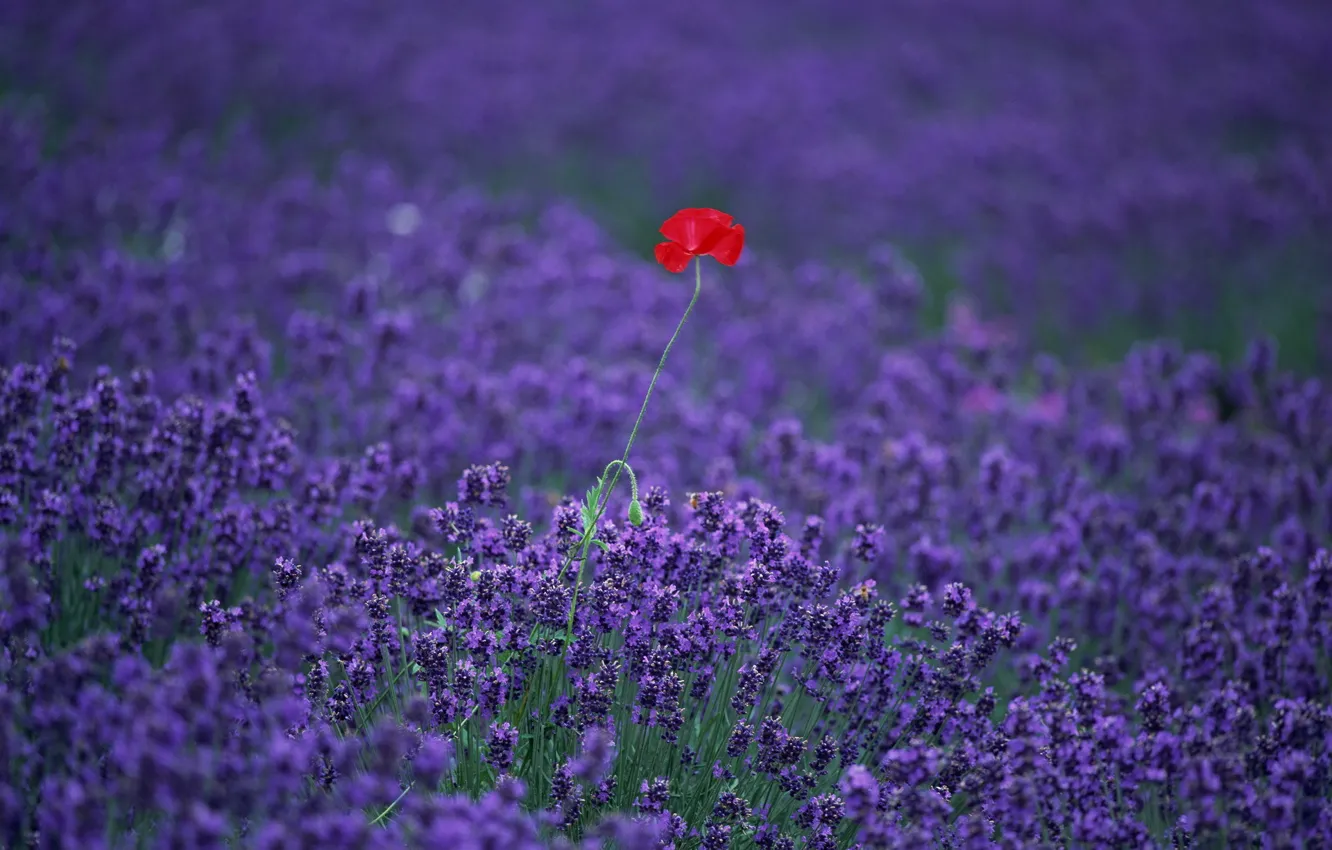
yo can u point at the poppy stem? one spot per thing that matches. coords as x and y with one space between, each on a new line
661 364
590 532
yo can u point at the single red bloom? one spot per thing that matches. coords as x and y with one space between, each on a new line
700 232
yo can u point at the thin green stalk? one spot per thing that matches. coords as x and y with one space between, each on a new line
580 550
590 532
391 806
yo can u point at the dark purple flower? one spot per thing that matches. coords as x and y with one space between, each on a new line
500 744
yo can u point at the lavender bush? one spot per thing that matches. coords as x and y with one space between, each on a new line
162 686
289 457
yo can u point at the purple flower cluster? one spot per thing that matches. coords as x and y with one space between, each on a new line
720 683
284 471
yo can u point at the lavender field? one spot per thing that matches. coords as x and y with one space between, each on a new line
983 497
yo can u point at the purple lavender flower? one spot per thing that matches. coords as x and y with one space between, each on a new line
500 744
597 756
484 486
653 796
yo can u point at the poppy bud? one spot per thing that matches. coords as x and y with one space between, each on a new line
635 512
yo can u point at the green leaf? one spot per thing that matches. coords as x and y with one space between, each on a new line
594 496
601 544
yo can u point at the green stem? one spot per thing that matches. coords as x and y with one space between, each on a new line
661 364
591 530
580 550
633 482
392 805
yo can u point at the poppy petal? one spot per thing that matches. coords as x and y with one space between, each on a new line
698 229
701 213
672 256
728 248
696 235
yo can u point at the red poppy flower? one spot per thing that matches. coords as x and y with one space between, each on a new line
700 232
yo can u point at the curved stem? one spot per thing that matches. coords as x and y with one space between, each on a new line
623 463
633 481
661 364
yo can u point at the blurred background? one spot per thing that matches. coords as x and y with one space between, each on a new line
1086 175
